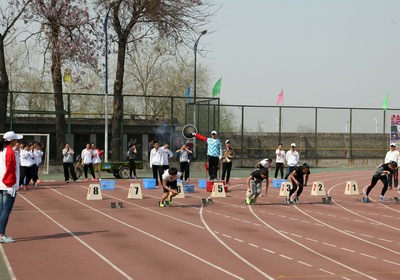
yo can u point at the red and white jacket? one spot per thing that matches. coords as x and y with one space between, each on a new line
9 169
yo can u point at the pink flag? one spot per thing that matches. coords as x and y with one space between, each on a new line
280 98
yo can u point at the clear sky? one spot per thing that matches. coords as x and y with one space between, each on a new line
320 52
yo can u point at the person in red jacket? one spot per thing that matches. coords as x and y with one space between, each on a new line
9 180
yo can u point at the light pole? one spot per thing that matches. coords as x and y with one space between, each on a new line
195 66
195 88
276 124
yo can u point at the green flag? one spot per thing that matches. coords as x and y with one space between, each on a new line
217 88
385 102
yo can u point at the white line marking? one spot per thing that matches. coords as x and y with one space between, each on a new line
286 257
328 244
307 264
230 249
386 240
7 263
240 240
310 239
227 235
79 240
296 235
269 251
307 248
152 236
326 271
349 250
391 262
254 245
369 256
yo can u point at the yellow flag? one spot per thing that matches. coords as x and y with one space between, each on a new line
67 76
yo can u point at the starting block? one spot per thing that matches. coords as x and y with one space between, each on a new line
135 191
285 189
116 204
218 190
181 191
318 188
327 200
206 201
94 192
351 188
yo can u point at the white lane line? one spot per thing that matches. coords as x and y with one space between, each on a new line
286 257
152 236
395 263
326 271
78 239
228 236
239 240
369 256
307 264
310 239
269 251
356 237
230 249
7 263
308 248
348 250
328 244
254 245
386 240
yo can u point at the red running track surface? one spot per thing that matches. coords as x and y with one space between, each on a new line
61 235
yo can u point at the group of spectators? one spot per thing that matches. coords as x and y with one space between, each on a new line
90 158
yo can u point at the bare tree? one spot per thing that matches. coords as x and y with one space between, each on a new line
9 17
178 22
65 37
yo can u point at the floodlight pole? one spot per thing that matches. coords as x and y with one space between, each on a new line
195 87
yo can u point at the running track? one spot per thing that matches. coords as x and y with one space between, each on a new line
61 235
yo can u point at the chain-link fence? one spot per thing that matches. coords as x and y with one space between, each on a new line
321 133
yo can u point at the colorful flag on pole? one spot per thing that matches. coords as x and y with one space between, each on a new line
385 102
280 98
67 76
217 88
188 93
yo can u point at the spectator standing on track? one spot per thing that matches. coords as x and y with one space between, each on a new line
156 159
131 157
68 163
297 177
381 174
292 159
97 154
227 156
27 160
169 185
393 155
37 154
166 154
184 153
214 152
254 185
279 161
87 162
9 174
